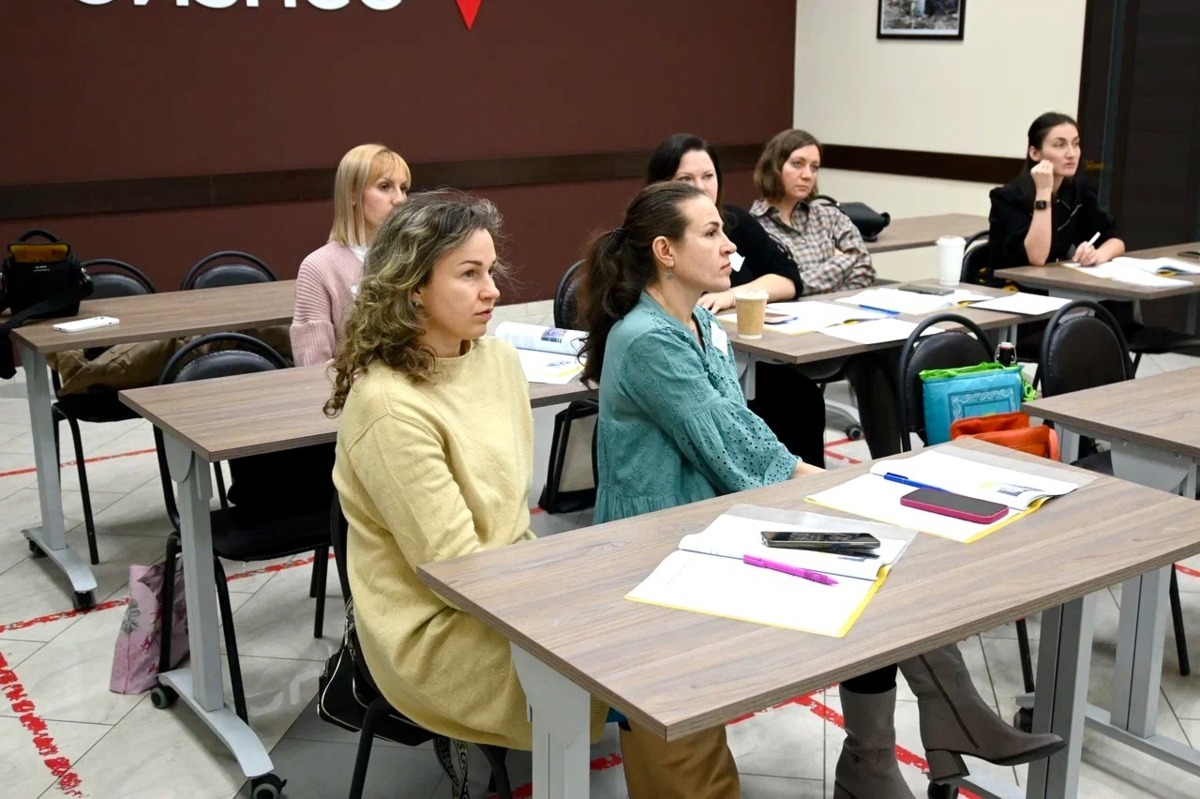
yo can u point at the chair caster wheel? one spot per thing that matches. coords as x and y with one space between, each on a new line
162 696
1023 721
85 600
940 790
268 786
854 433
35 550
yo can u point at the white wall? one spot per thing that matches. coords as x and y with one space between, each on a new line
1018 59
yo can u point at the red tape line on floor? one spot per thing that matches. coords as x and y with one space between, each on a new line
96 459
22 705
1189 571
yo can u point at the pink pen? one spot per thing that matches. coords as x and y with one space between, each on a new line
796 571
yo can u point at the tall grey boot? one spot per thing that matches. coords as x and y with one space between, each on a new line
955 720
867 767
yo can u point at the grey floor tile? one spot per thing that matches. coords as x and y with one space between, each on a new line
321 769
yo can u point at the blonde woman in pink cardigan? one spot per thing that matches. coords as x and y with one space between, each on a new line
371 180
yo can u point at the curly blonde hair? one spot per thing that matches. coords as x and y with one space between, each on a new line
384 324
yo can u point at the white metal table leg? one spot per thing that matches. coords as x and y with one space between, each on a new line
199 683
559 710
50 537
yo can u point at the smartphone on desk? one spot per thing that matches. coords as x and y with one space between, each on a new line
918 288
842 543
954 505
1190 253
771 318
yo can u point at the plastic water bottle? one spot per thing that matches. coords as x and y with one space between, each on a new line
1006 353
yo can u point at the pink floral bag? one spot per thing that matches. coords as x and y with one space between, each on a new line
135 659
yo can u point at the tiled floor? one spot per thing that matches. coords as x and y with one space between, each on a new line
63 733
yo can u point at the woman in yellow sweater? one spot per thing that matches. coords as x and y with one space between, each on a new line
435 460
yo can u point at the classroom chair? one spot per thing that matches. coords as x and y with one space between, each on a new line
977 261
110 278
274 527
1084 347
381 719
241 268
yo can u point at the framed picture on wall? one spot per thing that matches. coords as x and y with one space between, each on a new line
921 19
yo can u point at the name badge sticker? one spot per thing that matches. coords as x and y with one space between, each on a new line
720 339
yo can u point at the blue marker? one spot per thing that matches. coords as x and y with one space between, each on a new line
899 478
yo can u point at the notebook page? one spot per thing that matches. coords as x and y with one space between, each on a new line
541 338
549 367
1011 487
1022 303
879 331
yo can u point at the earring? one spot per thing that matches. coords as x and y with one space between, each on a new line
416 303
670 273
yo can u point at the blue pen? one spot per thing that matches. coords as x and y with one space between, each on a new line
887 311
899 478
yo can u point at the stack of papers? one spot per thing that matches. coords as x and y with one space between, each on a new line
877 495
809 315
1159 266
1022 303
707 575
1127 273
910 302
877 332
548 354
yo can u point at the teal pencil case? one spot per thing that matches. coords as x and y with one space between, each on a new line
953 394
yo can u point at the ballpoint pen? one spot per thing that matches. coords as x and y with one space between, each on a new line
795 571
885 311
902 480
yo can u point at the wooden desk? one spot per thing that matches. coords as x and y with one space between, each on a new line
573 634
1154 430
143 318
1077 284
230 417
924 231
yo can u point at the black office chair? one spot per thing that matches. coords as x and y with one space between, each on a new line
110 278
976 262
277 526
227 268
1084 347
381 718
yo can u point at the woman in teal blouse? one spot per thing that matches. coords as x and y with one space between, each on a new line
674 428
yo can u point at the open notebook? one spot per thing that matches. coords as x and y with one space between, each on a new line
548 354
1021 486
707 575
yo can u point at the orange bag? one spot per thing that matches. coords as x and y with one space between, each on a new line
1009 430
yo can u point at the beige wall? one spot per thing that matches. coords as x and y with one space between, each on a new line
975 97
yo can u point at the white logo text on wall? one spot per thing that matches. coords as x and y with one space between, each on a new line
324 5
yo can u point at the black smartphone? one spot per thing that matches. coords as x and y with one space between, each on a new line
918 288
955 505
847 543
1190 253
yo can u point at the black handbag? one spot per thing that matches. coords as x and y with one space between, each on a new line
870 223
38 280
571 474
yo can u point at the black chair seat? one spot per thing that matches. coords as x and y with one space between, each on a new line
1098 462
248 535
100 406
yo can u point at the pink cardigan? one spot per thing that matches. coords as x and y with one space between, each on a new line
325 289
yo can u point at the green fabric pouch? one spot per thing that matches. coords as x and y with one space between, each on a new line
979 390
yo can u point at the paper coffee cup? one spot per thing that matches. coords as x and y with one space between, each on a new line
950 258
751 305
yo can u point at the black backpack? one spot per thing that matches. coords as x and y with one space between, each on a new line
38 280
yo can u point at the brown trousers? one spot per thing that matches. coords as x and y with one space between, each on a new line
699 766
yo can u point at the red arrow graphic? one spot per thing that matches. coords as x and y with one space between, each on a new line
468 9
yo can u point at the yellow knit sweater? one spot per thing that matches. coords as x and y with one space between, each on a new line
425 472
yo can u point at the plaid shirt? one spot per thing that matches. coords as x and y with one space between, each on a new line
823 242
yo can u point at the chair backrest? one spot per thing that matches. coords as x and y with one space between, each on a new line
566 306
242 268
977 260
113 278
1083 347
242 355
946 350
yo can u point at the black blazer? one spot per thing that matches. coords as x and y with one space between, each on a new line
1076 217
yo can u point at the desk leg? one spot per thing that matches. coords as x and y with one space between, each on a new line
50 537
560 712
199 682
1192 309
1064 657
748 378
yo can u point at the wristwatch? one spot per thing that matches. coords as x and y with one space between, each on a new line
1040 205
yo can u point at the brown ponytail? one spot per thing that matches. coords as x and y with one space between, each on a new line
619 264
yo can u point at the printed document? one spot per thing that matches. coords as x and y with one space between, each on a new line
548 354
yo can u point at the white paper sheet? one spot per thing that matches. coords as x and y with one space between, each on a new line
1022 303
1155 265
811 315
729 588
909 302
549 367
732 536
877 332
982 481
1124 273
541 338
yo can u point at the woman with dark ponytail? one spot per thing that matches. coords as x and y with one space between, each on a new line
674 428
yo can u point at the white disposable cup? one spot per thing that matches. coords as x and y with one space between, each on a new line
751 305
950 258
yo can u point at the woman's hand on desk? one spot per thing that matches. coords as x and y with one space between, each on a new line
802 469
717 301
1086 255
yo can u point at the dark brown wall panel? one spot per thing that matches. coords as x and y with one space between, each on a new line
159 91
